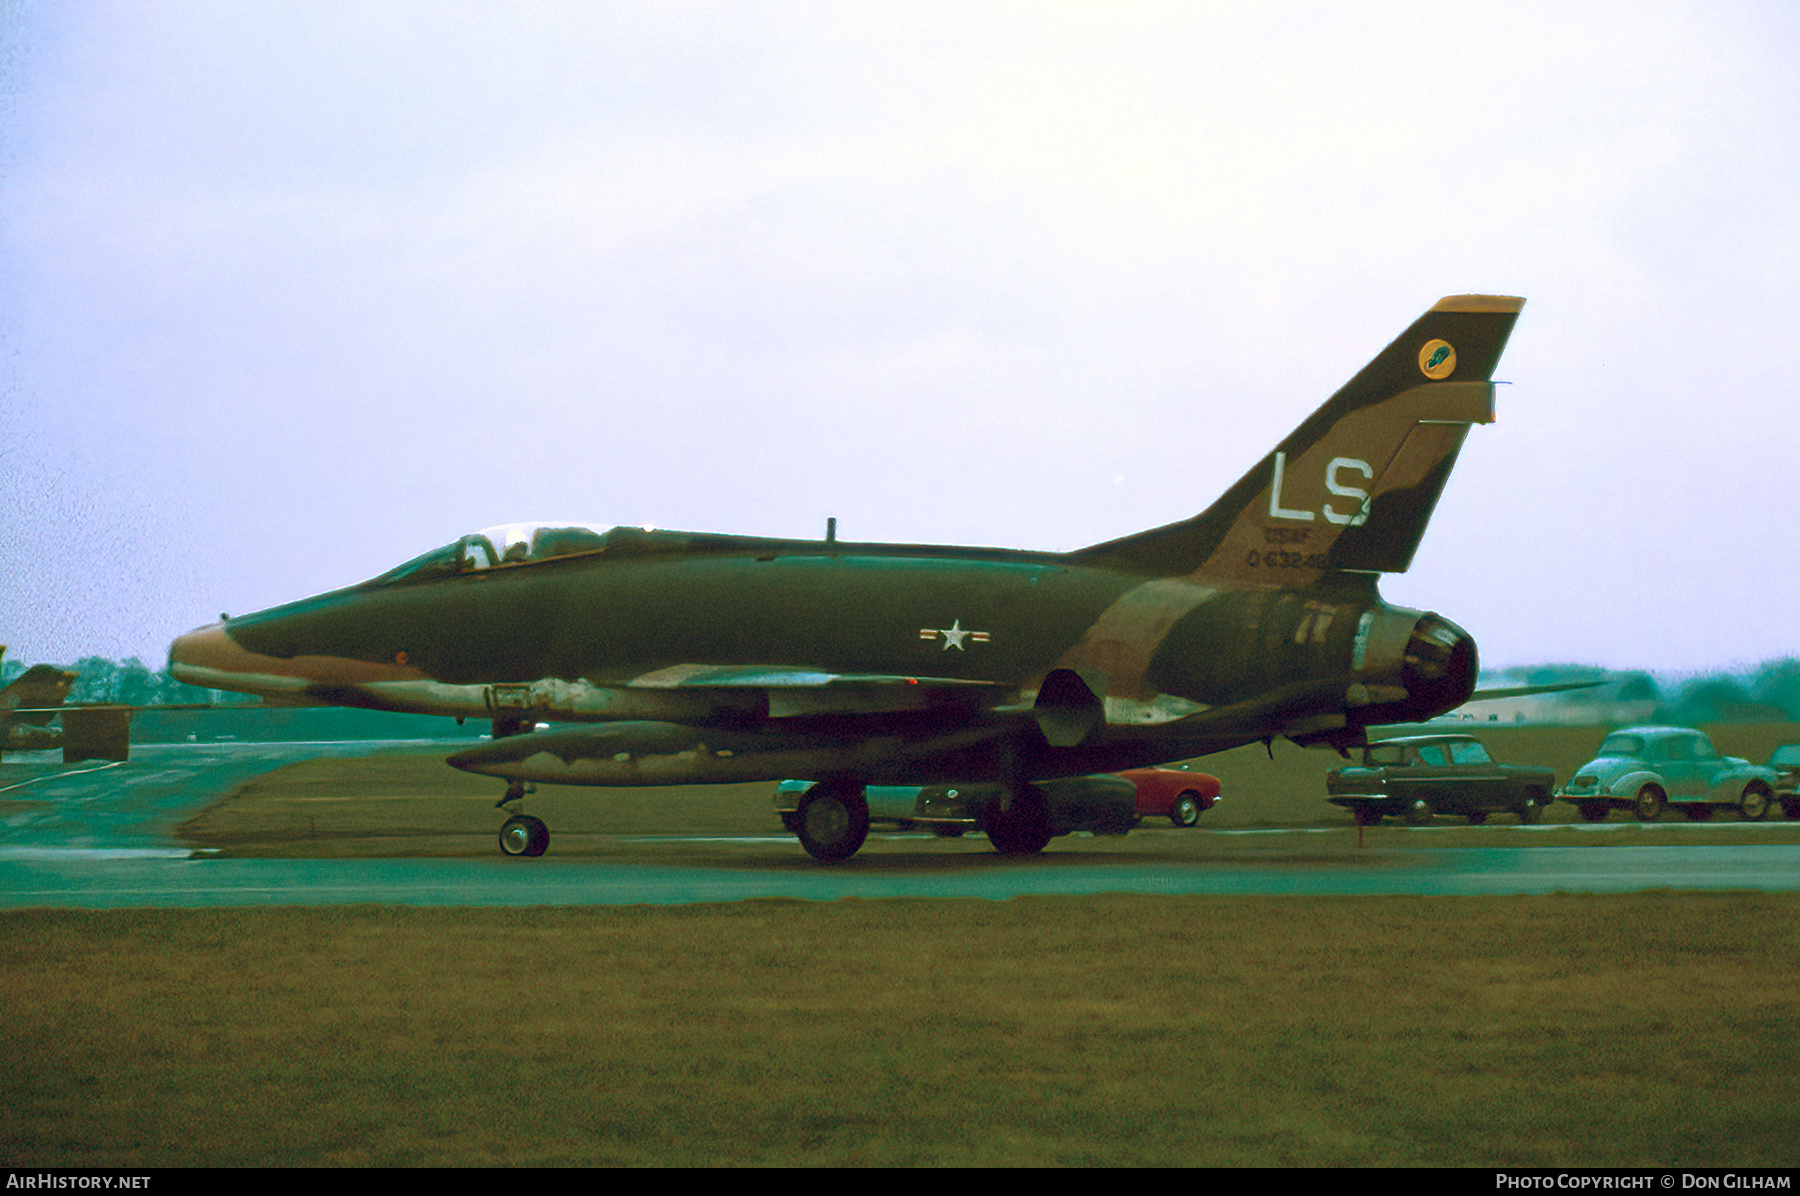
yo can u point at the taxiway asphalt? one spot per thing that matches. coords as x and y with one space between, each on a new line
92 837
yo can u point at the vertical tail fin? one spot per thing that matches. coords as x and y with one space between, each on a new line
1352 487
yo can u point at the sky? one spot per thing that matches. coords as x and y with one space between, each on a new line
292 292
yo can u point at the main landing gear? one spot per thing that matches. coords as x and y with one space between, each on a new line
1021 826
831 820
522 834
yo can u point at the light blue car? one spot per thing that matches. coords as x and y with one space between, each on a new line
1646 770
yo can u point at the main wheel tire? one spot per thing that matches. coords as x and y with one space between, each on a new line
834 821
1649 803
1186 810
1755 806
1419 813
1023 827
523 835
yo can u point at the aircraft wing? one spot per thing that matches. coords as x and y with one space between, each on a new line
795 692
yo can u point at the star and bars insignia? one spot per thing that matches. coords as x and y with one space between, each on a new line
954 635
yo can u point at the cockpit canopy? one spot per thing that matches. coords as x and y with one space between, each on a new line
510 544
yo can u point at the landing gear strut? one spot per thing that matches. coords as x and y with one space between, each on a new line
521 834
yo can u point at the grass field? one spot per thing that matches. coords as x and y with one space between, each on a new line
1654 1029
1563 1031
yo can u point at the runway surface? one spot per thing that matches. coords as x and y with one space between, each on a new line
102 837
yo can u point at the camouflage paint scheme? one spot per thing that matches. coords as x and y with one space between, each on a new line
696 657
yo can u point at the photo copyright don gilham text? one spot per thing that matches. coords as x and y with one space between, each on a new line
1651 1181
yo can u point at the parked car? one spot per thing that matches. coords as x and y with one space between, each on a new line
1179 793
1417 777
1785 761
1103 805
1648 769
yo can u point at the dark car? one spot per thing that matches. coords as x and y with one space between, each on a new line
1784 761
1179 793
1103 805
1646 770
1420 776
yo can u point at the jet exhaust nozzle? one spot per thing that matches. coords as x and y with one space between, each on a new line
1440 663
1437 670
1415 666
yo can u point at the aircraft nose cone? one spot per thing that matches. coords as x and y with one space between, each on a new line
210 658
202 651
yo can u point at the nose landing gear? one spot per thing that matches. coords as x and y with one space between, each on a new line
522 834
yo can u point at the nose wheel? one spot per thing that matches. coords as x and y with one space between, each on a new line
524 835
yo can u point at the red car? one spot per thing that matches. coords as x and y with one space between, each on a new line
1177 793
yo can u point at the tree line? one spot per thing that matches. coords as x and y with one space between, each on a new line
1767 692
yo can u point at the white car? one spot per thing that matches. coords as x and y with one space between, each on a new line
1648 769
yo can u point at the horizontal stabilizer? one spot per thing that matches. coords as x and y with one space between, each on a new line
1526 691
1298 705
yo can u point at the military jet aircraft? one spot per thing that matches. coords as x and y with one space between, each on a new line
672 658
89 731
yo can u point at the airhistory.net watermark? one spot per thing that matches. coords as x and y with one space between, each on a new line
49 1181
